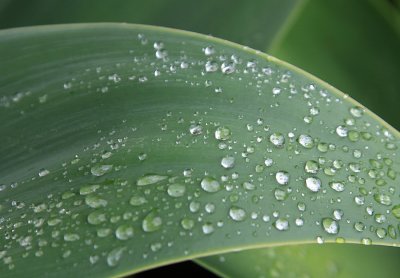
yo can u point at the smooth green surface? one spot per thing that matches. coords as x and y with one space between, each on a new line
330 260
253 24
353 45
88 111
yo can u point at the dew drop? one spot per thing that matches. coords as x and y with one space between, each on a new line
222 133
124 232
115 255
330 226
281 224
306 141
228 162
282 177
187 223
196 129
71 237
277 139
383 199
210 185
237 213
150 179
96 218
43 172
314 184
337 186
100 170
152 222
137 200
207 228
176 190
95 201
311 166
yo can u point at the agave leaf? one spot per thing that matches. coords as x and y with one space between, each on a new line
125 147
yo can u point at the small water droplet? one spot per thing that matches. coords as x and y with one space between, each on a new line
277 139
306 141
281 224
150 179
115 256
100 170
282 177
228 162
222 133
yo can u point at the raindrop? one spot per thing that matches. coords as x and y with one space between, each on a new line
282 177
124 232
176 190
152 222
210 184
228 162
115 256
150 179
100 170
281 224
306 141
277 139
222 133
314 184
237 214
330 226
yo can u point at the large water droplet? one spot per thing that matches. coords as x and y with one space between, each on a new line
237 213
176 190
95 201
314 184
306 141
277 139
330 226
222 133
228 162
96 218
115 256
282 177
124 232
281 224
152 222
383 199
210 184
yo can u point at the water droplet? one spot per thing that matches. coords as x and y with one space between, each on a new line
337 186
248 185
176 190
281 224
282 177
88 189
227 67
356 111
152 222
115 256
330 226
71 237
124 232
228 162
43 172
383 199
187 223
209 50
95 201
341 131
222 133
280 194
396 211
100 170
277 139
196 129
237 213
306 141
150 179
96 218
211 66
313 183
311 166
207 228
137 200
210 184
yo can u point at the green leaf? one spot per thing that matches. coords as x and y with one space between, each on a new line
353 45
125 147
329 260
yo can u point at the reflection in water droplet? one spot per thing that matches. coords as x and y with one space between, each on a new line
314 184
282 177
330 226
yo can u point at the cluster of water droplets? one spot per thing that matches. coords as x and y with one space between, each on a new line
287 163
